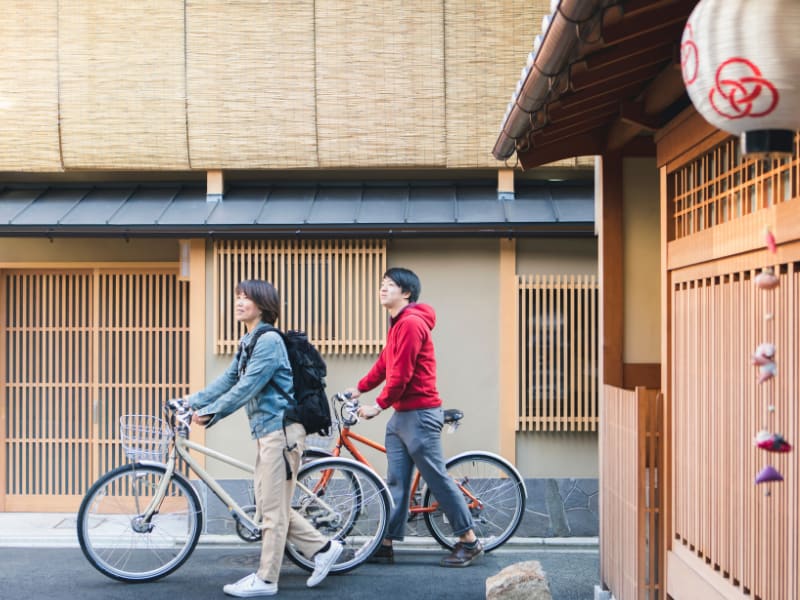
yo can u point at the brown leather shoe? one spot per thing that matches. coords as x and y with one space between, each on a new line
382 554
462 555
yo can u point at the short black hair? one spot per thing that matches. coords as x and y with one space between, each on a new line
406 280
264 296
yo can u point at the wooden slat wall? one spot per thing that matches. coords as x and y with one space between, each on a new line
82 348
720 515
328 288
630 495
558 352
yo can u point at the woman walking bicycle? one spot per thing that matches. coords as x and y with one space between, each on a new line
246 382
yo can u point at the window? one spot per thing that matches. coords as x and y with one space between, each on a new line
328 288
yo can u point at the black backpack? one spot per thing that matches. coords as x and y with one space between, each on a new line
311 407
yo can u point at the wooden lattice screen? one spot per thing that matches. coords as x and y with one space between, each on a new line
557 352
719 186
329 289
81 348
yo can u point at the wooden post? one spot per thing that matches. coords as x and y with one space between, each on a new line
215 185
3 406
505 184
508 351
610 266
197 326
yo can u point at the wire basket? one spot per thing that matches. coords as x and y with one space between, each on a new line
144 437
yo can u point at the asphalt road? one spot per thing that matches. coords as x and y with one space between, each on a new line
64 573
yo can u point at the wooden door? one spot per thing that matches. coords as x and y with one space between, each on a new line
81 348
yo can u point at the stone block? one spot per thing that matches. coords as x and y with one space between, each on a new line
520 581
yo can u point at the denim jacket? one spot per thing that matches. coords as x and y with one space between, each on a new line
265 405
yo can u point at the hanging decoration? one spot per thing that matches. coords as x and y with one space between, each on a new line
739 65
764 358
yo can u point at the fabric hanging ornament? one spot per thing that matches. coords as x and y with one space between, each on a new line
766 279
767 474
771 442
739 65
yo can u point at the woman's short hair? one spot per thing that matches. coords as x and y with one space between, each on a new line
264 296
406 280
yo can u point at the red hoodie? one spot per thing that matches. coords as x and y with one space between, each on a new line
407 362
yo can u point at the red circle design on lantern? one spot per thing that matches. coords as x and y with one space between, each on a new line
742 93
689 58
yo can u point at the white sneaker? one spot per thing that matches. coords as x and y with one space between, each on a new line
323 561
251 586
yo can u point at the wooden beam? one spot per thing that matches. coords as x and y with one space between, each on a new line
505 182
508 349
610 267
646 375
585 144
215 184
652 17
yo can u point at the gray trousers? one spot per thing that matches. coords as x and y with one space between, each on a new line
413 438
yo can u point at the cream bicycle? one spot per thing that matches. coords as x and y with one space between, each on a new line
141 521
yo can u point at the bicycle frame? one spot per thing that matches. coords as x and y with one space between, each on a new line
347 438
181 447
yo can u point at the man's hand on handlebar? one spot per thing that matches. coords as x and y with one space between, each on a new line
368 412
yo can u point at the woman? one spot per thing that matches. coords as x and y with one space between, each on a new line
257 306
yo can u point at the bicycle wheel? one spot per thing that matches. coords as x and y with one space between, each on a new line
495 494
345 500
119 543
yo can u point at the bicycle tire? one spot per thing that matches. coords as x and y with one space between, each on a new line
360 504
108 522
499 490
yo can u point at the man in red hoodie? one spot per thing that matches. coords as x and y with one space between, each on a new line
407 365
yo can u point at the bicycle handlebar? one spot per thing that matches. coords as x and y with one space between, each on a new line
182 412
349 409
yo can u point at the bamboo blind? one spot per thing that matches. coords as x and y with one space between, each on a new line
630 495
122 84
380 83
719 186
83 347
558 352
251 84
485 51
177 84
328 288
29 84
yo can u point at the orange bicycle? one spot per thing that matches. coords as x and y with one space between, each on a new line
492 486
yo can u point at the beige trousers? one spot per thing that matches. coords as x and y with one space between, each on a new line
280 524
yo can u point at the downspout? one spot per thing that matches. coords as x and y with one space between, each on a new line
552 58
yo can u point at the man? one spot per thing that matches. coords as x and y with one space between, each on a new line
407 365
246 383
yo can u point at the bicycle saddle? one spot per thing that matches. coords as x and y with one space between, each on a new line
453 415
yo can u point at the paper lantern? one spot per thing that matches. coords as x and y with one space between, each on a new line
739 60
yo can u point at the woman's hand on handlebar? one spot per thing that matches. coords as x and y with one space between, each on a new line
201 419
